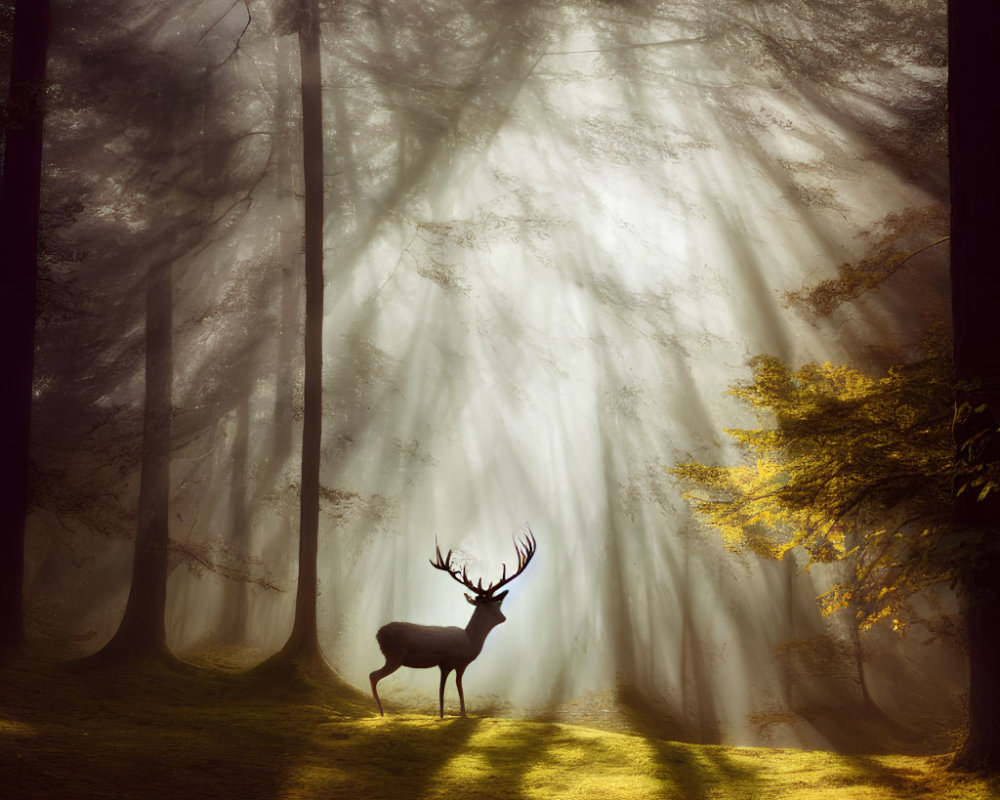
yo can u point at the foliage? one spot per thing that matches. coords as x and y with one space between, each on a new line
849 467
978 465
897 239
158 732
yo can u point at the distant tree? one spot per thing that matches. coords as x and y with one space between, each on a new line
20 191
142 632
190 200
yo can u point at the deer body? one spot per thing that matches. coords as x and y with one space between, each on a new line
405 644
422 646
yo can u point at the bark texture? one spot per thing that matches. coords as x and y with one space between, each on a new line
304 640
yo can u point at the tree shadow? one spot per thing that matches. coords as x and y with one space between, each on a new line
150 730
693 772
383 757
687 771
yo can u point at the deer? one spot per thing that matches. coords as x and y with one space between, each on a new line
405 644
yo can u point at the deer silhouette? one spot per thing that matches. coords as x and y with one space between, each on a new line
405 644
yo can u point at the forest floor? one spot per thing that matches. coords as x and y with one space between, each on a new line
77 733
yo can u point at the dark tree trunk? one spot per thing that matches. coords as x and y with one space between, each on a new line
19 205
142 633
290 243
304 639
974 111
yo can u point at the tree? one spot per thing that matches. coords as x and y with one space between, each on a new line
149 254
19 207
971 548
303 643
142 632
852 467
975 174
864 469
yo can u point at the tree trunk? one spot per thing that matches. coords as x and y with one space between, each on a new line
304 639
142 633
981 750
233 619
19 205
974 113
289 247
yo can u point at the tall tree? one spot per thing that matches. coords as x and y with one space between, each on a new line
975 197
142 632
20 195
303 643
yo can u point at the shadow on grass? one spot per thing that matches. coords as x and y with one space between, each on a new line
698 772
689 771
383 758
152 730
902 778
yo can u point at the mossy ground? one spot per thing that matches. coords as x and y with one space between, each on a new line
98 733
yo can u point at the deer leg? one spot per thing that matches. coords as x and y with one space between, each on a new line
444 677
376 676
459 671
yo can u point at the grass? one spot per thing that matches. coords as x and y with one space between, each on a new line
162 732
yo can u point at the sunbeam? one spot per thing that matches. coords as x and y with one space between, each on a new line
555 234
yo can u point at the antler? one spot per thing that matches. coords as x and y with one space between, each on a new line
525 551
462 578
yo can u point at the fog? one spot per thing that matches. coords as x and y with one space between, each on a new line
555 234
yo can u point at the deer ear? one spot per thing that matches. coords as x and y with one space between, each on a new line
473 602
502 595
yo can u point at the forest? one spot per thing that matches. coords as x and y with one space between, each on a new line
668 325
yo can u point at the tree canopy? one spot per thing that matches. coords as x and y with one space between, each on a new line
848 466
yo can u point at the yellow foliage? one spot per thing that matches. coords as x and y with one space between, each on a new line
847 465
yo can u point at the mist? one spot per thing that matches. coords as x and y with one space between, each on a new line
555 234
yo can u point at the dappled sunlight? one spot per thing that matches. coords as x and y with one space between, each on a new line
577 763
160 732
